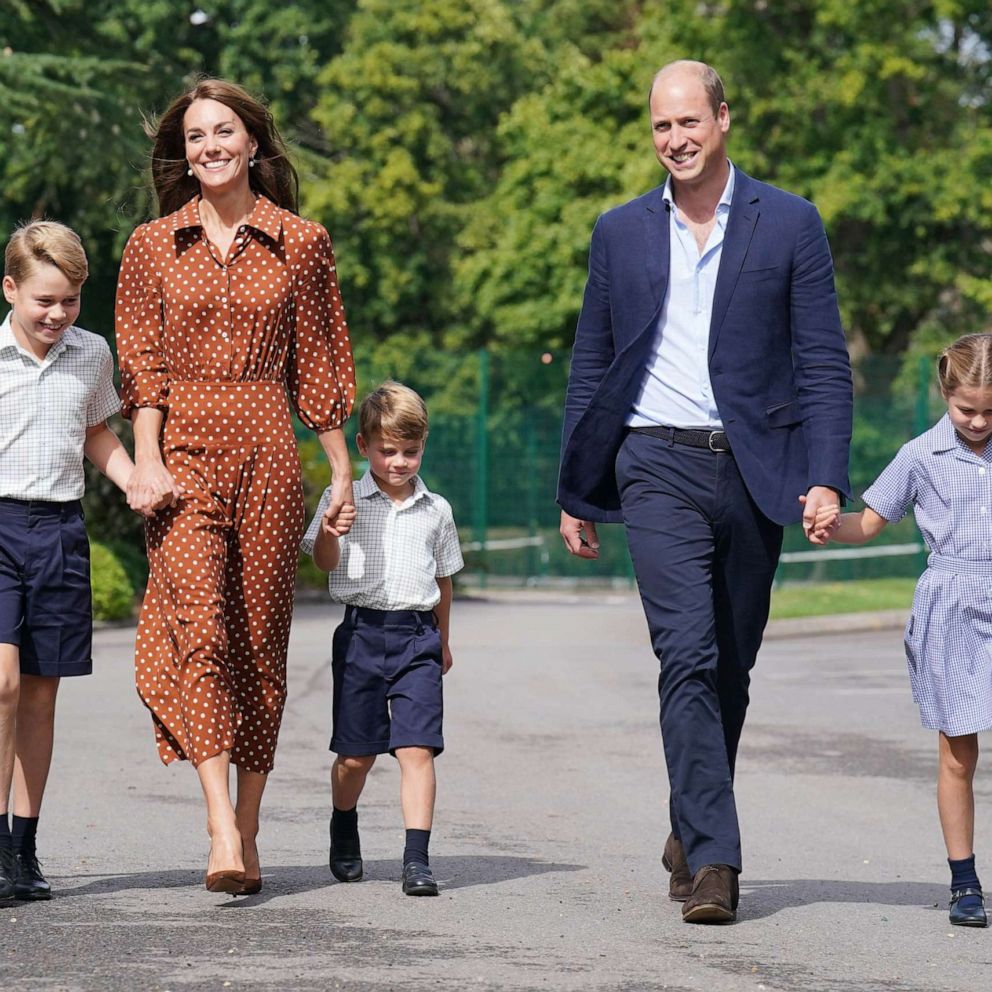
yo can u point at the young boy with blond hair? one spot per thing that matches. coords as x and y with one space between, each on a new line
56 393
392 569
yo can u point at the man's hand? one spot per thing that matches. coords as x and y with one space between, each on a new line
816 528
826 522
579 536
446 659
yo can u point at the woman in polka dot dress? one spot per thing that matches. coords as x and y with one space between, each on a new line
227 303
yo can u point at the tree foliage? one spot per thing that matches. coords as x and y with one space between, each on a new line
460 150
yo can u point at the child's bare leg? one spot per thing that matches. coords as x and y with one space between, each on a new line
417 790
348 774
955 797
35 736
417 786
10 680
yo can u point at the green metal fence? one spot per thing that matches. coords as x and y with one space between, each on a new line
493 452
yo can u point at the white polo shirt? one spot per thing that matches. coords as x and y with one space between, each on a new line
393 553
45 409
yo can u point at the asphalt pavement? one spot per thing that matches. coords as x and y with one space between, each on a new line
548 835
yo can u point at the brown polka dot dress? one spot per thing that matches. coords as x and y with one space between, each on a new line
221 345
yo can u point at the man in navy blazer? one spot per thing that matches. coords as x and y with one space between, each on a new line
709 392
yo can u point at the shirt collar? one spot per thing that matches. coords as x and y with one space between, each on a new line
367 486
7 339
265 217
725 197
945 438
70 338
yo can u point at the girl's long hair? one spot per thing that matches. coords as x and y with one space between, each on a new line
272 175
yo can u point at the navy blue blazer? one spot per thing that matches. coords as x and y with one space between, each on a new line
777 356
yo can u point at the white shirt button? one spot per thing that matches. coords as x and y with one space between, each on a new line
981 471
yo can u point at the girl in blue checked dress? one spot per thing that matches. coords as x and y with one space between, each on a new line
946 475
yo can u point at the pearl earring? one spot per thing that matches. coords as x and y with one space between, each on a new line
251 162
189 171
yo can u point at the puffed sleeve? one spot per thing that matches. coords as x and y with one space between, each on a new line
321 375
138 319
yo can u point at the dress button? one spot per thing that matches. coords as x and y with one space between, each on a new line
981 471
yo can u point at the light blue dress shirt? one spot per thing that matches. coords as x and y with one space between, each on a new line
677 391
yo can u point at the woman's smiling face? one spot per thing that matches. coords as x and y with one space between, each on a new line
218 146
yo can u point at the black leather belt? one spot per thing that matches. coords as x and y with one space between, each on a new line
714 440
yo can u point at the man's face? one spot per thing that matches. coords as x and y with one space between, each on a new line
689 139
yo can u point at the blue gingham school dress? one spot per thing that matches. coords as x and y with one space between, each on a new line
949 634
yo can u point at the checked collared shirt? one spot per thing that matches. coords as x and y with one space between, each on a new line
45 409
393 553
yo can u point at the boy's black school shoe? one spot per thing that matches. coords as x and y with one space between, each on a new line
29 883
6 874
345 859
418 880
972 914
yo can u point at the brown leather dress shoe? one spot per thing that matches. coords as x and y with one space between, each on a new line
715 893
673 858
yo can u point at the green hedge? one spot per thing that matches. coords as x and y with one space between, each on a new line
113 594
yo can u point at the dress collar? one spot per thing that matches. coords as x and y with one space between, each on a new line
265 217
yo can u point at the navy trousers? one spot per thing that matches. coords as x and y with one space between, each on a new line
704 556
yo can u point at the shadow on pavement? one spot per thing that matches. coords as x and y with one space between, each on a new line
454 872
760 899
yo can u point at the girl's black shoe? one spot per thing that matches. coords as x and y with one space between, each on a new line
967 908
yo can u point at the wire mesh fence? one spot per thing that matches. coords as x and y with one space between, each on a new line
493 452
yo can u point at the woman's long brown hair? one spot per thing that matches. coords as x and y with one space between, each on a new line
272 175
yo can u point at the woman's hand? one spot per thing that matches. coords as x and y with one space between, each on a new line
339 523
342 495
151 488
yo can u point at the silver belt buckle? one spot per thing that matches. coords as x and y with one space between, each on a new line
709 440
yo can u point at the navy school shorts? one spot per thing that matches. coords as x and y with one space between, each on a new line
45 601
387 682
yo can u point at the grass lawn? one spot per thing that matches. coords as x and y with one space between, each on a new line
817 599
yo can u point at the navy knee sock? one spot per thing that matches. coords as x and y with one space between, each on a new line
5 839
22 834
344 824
964 876
415 851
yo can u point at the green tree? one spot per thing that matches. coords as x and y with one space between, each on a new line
409 113
78 76
879 112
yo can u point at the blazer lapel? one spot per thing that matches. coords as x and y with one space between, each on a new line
657 247
740 227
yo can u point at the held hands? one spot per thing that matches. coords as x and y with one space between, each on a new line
579 536
150 488
337 523
821 514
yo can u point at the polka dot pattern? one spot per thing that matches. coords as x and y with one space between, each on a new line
219 344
